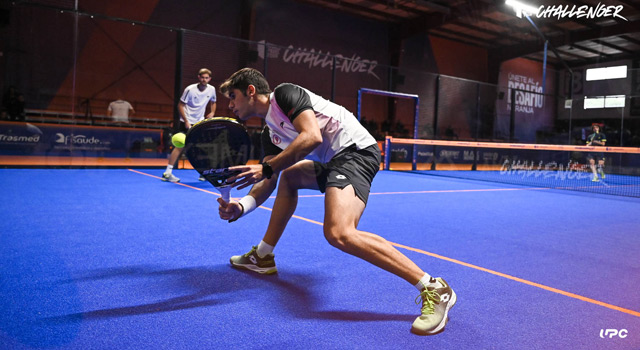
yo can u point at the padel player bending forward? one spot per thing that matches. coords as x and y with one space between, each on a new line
299 125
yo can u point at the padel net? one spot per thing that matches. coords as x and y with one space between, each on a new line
539 165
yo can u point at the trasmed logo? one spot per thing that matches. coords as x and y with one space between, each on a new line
610 333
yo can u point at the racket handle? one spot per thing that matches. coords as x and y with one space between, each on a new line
225 192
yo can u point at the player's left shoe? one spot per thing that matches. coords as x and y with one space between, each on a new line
251 261
201 178
170 178
436 303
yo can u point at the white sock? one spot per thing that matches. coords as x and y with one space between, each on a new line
264 249
169 169
427 280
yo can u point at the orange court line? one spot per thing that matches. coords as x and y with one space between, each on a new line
517 279
455 261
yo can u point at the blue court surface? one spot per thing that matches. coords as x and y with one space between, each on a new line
117 259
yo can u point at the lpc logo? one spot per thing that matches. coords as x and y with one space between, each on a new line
610 333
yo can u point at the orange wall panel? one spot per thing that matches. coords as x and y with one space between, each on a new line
460 60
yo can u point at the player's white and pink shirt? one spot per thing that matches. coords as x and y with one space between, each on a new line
196 101
339 127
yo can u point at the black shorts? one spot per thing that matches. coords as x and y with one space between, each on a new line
350 167
596 155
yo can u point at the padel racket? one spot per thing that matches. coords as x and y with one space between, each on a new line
213 145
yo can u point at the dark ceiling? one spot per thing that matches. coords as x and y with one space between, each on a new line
493 25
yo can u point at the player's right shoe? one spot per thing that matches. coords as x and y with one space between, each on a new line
595 179
436 303
251 261
170 178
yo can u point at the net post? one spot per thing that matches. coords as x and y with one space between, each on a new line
476 155
512 116
414 162
414 157
387 152
436 99
359 109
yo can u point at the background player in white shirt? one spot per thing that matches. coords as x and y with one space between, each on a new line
596 139
192 106
119 111
313 143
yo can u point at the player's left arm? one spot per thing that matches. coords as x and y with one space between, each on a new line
600 141
308 139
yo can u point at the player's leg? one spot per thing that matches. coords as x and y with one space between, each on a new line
601 167
343 210
301 175
173 161
342 214
260 258
175 154
592 165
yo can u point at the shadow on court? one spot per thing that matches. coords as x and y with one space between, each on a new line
212 286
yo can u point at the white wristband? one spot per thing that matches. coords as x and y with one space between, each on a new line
248 204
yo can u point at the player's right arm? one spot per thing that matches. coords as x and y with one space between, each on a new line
260 192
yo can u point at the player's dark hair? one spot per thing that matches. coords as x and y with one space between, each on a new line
242 79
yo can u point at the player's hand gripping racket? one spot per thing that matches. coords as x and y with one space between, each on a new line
213 145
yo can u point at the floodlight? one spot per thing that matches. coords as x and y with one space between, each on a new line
521 7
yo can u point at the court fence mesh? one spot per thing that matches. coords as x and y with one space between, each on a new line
565 167
103 54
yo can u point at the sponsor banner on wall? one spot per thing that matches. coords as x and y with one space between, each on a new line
69 140
534 106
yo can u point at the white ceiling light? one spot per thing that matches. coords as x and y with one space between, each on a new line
521 7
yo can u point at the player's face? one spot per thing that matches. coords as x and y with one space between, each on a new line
240 104
204 79
596 129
